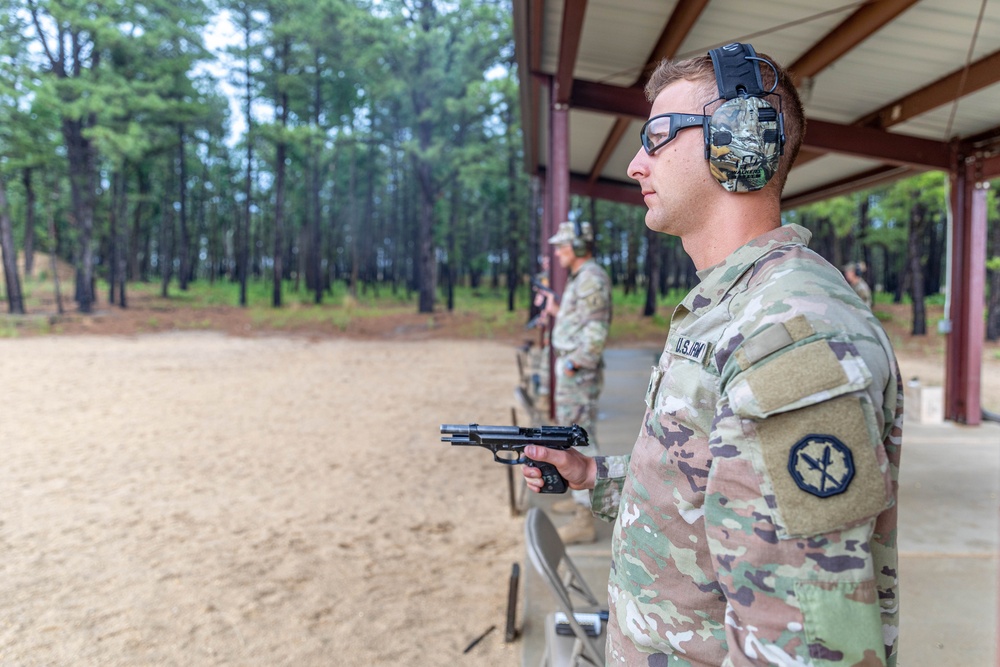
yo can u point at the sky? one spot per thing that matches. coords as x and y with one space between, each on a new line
219 34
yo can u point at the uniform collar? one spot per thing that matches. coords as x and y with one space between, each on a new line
574 274
717 280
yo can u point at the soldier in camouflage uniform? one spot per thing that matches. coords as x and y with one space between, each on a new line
578 337
853 272
755 517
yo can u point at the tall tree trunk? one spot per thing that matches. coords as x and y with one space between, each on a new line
427 279
279 222
631 282
243 229
449 266
165 249
352 219
314 279
280 157
113 223
513 233
373 224
427 264
185 235
652 270
993 280
120 237
136 269
864 224
29 221
15 300
935 245
918 222
82 178
53 246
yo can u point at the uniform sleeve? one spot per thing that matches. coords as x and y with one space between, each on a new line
607 494
798 480
594 303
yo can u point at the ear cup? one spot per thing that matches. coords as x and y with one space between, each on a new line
742 143
583 238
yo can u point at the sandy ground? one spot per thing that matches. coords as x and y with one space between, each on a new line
197 499
202 499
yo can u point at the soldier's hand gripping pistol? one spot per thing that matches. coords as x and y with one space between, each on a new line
508 442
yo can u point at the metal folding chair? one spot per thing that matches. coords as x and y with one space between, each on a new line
548 555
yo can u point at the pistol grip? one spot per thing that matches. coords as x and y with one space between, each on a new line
554 482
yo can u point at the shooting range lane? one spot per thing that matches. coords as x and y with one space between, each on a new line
198 499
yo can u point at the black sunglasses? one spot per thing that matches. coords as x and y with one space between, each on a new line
659 130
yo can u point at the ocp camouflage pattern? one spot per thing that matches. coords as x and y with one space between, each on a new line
721 555
579 335
863 291
748 160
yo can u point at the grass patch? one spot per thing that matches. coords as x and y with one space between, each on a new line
883 316
13 326
296 317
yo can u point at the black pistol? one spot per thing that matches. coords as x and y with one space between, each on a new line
544 289
508 442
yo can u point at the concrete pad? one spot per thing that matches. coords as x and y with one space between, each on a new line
948 610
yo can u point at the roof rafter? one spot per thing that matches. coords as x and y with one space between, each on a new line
684 16
605 98
870 142
868 179
569 47
982 73
610 144
823 136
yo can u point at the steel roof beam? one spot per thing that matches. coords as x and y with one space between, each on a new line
868 142
604 98
610 144
683 18
982 73
678 25
845 186
820 135
569 47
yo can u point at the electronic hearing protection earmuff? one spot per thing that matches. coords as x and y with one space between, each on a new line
582 240
745 135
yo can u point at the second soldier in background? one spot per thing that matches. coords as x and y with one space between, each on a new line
583 318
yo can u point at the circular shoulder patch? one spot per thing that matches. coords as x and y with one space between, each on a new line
821 465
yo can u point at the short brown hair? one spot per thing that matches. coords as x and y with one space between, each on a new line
701 71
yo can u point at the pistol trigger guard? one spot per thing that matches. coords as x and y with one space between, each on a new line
509 462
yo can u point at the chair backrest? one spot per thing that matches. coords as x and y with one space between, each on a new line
548 555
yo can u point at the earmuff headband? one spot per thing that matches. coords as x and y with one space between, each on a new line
736 71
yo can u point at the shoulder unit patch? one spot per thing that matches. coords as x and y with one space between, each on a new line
821 465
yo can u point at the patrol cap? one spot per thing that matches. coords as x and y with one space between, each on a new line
573 232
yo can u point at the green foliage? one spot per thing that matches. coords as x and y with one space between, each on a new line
379 107
841 213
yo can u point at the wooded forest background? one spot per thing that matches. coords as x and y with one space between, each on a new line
300 143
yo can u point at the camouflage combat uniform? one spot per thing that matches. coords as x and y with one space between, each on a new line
579 335
756 519
863 291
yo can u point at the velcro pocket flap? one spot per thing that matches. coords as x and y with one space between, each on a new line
804 375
